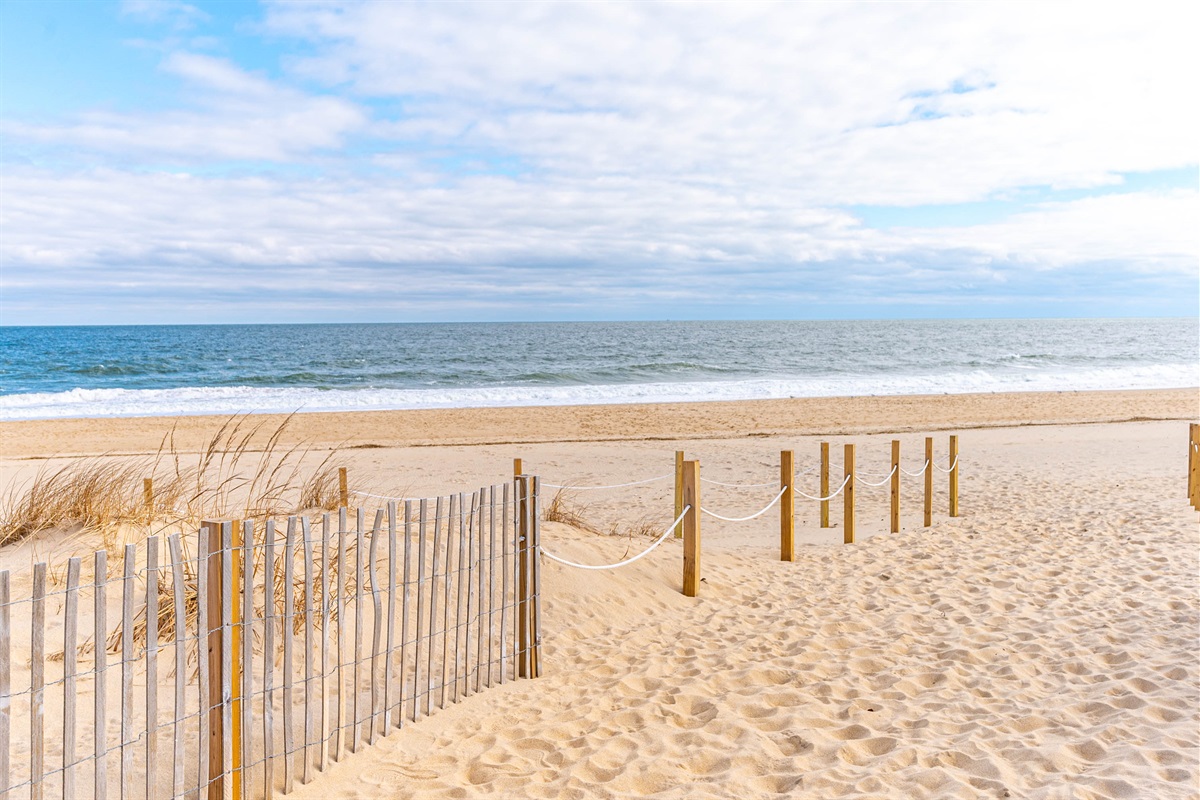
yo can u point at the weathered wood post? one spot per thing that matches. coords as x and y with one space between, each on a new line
895 485
691 528
824 484
343 488
954 476
848 498
678 492
787 506
1194 464
148 498
928 481
210 531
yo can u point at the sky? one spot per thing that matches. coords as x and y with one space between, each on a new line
166 161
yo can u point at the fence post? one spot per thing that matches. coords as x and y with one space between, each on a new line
148 498
518 470
522 574
1194 465
210 531
678 491
824 484
848 497
691 528
895 485
787 506
954 476
343 488
928 481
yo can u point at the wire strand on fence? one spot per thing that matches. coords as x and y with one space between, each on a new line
948 469
828 497
613 486
627 561
886 478
752 516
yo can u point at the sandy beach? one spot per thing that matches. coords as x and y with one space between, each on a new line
1044 644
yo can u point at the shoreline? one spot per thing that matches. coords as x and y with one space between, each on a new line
717 419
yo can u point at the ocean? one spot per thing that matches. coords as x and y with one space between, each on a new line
111 371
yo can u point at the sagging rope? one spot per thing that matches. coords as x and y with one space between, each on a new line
752 516
887 478
919 472
948 469
613 486
830 497
739 485
657 542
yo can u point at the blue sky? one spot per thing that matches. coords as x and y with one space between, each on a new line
180 161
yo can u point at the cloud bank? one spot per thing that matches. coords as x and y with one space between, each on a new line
506 161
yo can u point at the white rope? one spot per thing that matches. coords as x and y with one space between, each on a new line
657 542
614 486
738 485
919 472
813 468
376 496
830 497
882 482
948 469
752 516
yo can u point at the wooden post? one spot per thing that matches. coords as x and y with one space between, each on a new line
518 469
824 484
954 476
1194 465
848 497
535 581
928 481
691 528
678 492
522 576
148 498
787 506
343 488
210 531
895 485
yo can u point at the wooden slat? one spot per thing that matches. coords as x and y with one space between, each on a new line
417 643
152 581
203 659
491 604
246 722
326 538
359 555
269 625
505 569
289 618
70 786
433 595
224 779
404 606
536 558
463 580
339 746
522 584
447 585
99 712
179 606
37 686
5 686
231 649
390 616
310 718
377 620
127 737
473 573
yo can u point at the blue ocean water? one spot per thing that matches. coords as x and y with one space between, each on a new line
99 371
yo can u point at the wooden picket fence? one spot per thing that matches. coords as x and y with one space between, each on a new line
250 656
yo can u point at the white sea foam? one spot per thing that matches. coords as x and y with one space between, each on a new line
239 399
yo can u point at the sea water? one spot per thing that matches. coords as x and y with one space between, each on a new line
101 371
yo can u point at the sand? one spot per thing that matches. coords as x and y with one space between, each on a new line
1044 644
